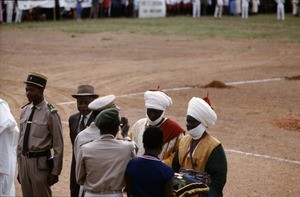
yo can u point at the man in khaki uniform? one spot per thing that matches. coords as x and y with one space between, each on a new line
40 131
101 164
92 132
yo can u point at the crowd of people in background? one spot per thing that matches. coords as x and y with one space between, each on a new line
10 12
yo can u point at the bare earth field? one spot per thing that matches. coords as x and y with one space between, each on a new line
258 123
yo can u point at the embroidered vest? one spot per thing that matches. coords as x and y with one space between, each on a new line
201 154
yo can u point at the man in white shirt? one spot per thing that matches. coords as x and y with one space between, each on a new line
245 9
196 8
295 4
219 9
9 10
280 9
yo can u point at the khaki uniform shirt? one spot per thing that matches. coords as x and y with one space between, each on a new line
45 133
89 134
101 164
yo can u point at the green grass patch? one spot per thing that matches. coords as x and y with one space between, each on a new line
260 27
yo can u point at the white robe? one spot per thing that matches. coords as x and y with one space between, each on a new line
245 9
218 9
19 12
9 134
137 132
295 7
9 10
196 8
280 9
238 7
255 4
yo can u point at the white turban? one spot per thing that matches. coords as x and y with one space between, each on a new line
202 112
157 100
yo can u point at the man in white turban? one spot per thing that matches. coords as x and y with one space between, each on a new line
156 103
199 150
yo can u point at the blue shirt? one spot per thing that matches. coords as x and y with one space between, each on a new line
148 176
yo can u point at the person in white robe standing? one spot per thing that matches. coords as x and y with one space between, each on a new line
295 10
196 8
219 9
238 7
9 10
255 4
245 9
9 134
280 9
18 13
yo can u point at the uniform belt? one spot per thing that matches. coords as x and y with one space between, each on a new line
37 154
104 192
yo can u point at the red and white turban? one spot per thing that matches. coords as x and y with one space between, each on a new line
157 99
202 112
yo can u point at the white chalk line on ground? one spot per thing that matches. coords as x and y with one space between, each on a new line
262 156
229 83
253 81
66 103
186 88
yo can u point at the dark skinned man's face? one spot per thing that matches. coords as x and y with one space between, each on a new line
154 114
34 93
191 122
82 104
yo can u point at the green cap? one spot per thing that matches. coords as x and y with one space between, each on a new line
107 117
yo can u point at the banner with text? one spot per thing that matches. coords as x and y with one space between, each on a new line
152 8
72 3
29 4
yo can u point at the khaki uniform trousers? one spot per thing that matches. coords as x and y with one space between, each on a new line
33 174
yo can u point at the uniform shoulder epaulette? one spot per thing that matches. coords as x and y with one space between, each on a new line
85 143
51 107
26 105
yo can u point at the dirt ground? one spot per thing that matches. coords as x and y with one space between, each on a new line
258 123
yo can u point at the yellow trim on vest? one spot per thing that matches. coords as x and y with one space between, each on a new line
200 156
169 155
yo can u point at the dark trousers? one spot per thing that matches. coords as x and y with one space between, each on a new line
74 187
